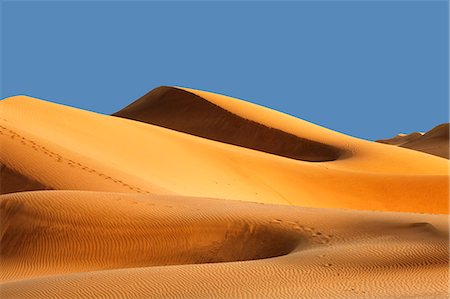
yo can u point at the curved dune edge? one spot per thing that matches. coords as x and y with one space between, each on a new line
434 142
12 181
350 254
52 144
111 230
186 112
358 153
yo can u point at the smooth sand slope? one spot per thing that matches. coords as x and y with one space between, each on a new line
66 148
80 244
434 142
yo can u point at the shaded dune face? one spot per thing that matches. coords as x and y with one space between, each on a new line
186 112
13 181
434 142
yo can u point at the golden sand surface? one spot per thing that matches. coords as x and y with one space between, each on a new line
191 194
52 144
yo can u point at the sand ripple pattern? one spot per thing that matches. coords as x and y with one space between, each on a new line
77 244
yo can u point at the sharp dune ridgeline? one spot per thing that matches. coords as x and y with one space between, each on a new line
187 112
191 194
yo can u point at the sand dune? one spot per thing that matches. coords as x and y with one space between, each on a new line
184 111
138 232
87 234
52 144
190 194
434 142
402 138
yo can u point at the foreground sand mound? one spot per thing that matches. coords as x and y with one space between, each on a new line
52 145
75 244
57 232
184 111
434 142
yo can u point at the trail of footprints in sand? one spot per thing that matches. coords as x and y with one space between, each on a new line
311 231
314 234
58 158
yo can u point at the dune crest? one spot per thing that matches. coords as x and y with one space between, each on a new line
181 110
434 142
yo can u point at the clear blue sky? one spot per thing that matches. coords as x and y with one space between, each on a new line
369 69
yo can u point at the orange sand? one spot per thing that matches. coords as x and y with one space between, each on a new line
212 197
108 153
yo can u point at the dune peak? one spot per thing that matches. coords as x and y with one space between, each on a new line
183 111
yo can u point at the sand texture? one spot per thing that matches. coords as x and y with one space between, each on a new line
191 194
80 244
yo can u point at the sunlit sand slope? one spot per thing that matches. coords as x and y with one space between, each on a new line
435 141
77 244
52 145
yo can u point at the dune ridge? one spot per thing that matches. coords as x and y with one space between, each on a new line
434 142
184 111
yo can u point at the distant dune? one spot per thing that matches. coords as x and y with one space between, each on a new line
190 194
434 142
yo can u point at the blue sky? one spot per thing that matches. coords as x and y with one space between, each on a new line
370 69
